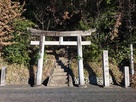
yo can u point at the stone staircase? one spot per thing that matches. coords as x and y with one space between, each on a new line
59 76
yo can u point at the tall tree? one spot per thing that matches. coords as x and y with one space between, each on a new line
8 12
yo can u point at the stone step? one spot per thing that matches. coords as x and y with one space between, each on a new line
58 81
60 74
58 77
59 85
63 58
58 67
58 70
62 61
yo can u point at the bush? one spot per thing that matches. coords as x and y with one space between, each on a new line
19 51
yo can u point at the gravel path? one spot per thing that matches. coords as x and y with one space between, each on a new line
91 93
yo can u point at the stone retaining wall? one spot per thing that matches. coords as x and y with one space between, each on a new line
20 74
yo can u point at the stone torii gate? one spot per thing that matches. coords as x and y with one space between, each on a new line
60 34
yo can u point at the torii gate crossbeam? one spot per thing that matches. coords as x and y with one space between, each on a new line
60 34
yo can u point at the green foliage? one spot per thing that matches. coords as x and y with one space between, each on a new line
34 55
101 40
83 25
92 53
18 52
79 57
106 20
21 25
108 1
118 56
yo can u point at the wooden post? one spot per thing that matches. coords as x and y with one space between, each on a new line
80 61
3 77
127 80
61 40
106 80
40 61
131 59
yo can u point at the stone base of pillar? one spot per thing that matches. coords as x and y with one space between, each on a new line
82 86
38 86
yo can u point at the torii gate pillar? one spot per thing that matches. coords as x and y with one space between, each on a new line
40 61
80 61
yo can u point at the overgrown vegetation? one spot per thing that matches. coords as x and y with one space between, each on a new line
8 12
20 50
